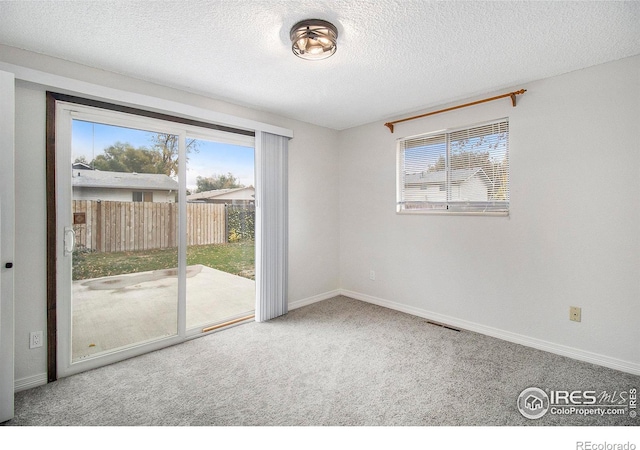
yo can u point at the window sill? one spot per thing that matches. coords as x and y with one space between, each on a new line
452 213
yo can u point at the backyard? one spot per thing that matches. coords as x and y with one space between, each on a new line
237 258
125 298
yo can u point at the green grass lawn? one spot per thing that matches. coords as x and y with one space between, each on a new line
236 258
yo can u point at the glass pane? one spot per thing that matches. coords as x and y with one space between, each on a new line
424 173
479 164
220 232
466 170
125 219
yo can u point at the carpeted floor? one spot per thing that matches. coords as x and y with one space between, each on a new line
336 362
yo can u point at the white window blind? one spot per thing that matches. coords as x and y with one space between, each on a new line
460 170
272 231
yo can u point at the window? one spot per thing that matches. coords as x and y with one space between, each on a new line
142 196
462 170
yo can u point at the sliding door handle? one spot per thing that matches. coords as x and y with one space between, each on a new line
69 240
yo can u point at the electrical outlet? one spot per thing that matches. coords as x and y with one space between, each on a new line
575 313
372 275
35 339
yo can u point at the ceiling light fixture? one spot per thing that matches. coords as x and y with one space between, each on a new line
313 39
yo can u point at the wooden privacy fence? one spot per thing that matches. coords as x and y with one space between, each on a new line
132 226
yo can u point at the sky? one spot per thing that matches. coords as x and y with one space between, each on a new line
212 158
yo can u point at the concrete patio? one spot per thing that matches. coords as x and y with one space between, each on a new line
113 312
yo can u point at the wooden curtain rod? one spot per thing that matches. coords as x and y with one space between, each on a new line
510 94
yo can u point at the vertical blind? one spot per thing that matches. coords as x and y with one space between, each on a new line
271 226
460 170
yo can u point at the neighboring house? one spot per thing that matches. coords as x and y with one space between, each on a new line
122 187
466 185
81 166
237 196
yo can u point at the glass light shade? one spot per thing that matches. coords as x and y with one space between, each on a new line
314 39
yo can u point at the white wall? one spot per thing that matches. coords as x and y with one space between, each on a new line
313 198
567 241
31 238
7 247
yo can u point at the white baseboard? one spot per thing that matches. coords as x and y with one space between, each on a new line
316 298
30 382
558 349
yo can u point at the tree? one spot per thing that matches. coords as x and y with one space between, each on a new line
474 154
162 157
167 147
215 182
464 160
123 157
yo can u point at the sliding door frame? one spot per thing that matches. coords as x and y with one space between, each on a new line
59 361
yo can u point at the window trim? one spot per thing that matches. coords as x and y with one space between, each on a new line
139 113
447 132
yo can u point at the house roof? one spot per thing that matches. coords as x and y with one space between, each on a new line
439 177
122 180
218 193
81 166
394 57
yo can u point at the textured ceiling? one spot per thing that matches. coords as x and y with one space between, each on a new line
393 57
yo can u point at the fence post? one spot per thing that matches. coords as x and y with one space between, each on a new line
172 235
98 229
243 222
226 223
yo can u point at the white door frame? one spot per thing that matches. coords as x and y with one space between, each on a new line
7 238
65 113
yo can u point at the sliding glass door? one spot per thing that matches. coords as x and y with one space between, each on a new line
155 233
122 241
220 231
